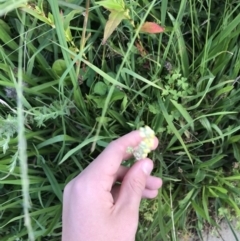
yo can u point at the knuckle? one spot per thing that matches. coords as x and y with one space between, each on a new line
74 186
114 145
136 184
67 191
81 185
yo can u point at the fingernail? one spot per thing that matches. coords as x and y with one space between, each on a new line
147 167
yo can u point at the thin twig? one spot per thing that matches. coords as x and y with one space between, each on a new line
83 37
172 216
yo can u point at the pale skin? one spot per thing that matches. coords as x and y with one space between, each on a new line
95 208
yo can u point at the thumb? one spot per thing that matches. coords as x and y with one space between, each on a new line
134 184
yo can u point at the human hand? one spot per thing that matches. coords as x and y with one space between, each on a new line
95 208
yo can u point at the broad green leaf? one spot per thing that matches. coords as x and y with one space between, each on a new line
154 108
117 95
59 67
116 5
100 88
98 100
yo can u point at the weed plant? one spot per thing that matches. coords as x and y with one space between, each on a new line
64 96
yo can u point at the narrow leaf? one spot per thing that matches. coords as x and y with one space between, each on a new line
172 127
52 180
184 113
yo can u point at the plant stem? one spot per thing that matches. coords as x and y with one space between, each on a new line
22 144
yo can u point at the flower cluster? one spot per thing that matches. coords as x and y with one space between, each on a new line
142 150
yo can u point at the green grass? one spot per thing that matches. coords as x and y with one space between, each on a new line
76 95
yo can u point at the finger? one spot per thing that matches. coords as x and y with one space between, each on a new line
110 159
147 193
133 185
152 183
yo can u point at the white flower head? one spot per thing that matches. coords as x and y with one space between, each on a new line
145 146
147 132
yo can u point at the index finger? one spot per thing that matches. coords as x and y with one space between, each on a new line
111 158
